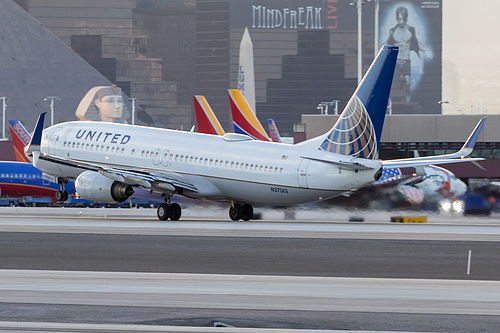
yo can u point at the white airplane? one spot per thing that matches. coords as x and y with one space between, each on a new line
108 159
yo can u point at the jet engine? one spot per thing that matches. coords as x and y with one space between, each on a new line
94 186
378 174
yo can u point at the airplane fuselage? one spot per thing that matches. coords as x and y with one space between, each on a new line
221 168
23 179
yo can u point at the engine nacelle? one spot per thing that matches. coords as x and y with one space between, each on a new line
91 185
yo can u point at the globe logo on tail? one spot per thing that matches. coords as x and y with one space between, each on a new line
353 134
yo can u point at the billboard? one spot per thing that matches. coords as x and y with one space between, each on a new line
416 27
275 27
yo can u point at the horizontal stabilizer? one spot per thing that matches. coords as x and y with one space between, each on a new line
351 164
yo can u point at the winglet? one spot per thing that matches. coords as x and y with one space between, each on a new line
273 130
33 147
20 139
469 144
471 141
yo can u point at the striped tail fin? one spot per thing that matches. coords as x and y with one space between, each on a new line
244 119
205 117
358 130
20 139
273 130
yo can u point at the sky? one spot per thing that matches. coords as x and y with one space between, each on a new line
471 42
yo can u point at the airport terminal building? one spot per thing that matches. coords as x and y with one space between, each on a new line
305 53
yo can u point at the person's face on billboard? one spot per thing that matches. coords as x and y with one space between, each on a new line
401 20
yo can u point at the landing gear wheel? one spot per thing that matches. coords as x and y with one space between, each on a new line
163 211
246 212
235 212
61 195
175 211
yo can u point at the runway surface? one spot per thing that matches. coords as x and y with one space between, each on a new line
122 267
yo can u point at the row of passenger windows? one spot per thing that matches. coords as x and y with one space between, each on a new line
224 163
175 157
20 175
91 146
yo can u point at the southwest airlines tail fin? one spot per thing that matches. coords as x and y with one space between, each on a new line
20 139
244 119
273 130
205 117
358 130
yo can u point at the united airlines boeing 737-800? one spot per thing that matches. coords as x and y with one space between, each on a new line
108 160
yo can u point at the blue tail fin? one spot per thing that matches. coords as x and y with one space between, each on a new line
273 130
358 130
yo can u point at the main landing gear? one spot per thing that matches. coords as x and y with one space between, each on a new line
167 211
62 195
239 211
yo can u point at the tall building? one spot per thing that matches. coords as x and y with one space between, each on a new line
131 43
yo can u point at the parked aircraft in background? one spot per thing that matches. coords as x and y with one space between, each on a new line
439 183
273 130
108 160
20 139
20 179
244 119
205 117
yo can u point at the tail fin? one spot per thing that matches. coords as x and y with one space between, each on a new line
273 130
205 117
20 139
358 130
244 119
33 147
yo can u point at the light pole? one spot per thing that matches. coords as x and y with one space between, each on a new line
4 109
51 99
377 9
359 3
133 99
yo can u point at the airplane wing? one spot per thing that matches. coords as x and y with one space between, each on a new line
442 159
159 181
